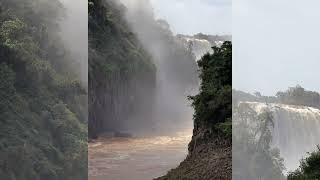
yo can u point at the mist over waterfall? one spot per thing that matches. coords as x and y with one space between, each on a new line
140 72
176 74
74 35
296 130
140 77
74 31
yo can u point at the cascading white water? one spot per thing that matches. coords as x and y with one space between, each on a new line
199 46
296 130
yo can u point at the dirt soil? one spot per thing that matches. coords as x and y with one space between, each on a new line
208 161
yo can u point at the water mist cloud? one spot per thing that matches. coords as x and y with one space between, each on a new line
74 29
176 76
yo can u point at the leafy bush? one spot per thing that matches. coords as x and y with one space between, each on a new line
213 105
309 168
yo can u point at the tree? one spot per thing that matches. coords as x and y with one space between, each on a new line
213 105
309 168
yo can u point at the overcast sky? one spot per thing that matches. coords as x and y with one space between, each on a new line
194 16
275 45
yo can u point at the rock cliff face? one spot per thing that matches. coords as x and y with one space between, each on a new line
121 72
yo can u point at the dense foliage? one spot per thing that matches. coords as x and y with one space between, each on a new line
121 73
309 168
43 132
213 105
254 158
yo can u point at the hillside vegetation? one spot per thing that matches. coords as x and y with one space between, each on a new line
43 132
121 73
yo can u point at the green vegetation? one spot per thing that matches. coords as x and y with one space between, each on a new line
116 48
121 72
43 131
210 152
309 168
213 105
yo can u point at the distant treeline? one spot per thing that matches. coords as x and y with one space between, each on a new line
293 96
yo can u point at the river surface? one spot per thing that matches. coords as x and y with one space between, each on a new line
141 158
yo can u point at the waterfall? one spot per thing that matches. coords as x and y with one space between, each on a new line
296 130
199 46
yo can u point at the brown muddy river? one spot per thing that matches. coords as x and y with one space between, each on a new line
136 158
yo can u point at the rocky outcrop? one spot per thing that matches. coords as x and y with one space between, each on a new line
209 158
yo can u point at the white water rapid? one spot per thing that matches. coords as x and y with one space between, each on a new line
296 130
